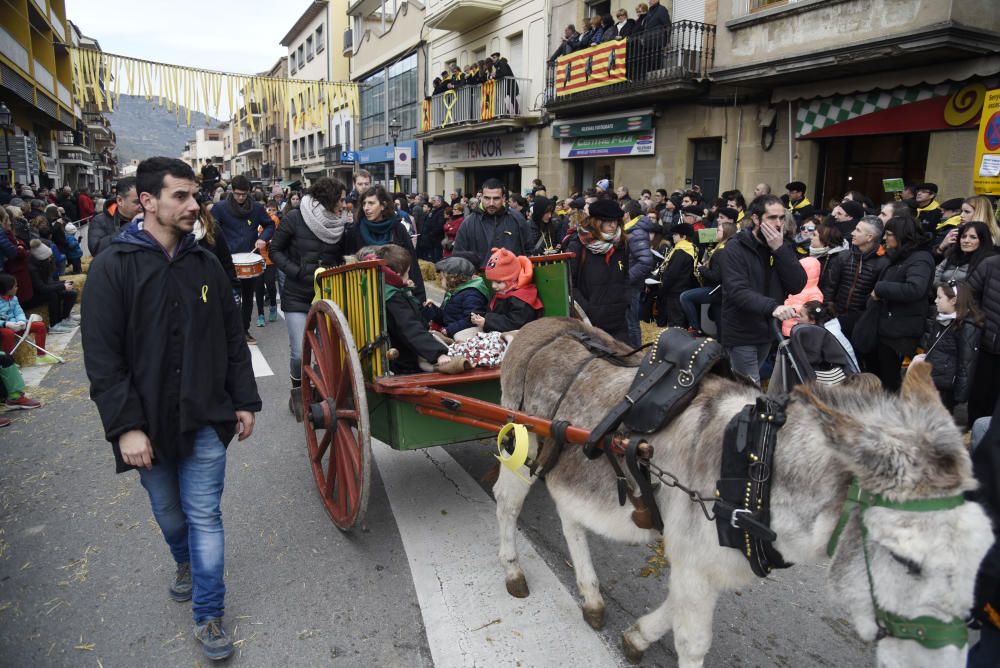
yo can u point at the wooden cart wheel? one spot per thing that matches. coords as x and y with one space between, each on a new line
336 415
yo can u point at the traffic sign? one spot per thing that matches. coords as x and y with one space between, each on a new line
348 156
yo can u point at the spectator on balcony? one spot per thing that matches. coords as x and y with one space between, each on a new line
658 18
624 26
502 72
84 204
570 43
597 30
641 11
111 222
609 28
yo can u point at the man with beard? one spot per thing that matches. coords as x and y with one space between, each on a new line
171 376
493 226
111 222
240 217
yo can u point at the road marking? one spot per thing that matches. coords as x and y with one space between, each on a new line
55 343
260 366
449 530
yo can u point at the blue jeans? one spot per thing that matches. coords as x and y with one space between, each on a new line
632 316
186 496
296 324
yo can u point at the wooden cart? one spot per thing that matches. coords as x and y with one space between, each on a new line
349 396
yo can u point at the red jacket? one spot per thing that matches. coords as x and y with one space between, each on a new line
85 206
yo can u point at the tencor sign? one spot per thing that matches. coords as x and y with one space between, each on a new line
500 148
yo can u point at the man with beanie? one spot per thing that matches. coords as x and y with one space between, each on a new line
797 202
846 216
240 218
677 276
760 270
171 375
928 209
946 232
111 222
494 225
58 295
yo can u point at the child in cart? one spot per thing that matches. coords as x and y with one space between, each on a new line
466 293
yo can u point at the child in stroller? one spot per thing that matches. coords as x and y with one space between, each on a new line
811 353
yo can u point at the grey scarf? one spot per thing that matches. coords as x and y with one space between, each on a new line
240 210
326 225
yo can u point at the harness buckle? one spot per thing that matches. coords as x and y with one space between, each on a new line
685 378
735 517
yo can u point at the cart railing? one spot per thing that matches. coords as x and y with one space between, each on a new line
357 289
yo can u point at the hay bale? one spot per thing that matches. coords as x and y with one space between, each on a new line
428 271
78 280
85 263
650 331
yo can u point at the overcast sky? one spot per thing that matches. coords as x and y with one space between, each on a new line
239 36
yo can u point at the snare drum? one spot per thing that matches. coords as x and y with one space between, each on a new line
248 265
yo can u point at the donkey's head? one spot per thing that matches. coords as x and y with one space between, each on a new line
911 560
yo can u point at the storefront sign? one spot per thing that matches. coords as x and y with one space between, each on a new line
593 67
503 147
625 144
986 177
603 126
385 153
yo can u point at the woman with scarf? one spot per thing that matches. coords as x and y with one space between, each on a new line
600 268
677 277
825 244
310 236
379 224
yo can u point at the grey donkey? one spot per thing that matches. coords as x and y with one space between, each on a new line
903 447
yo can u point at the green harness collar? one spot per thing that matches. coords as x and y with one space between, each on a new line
930 632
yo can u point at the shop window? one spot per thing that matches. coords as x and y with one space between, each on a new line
757 5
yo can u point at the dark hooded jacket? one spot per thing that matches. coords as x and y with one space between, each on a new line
849 278
241 232
953 351
163 345
481 233
985 285
641 260
756 280
297 252
453 314
102 228
905 288
600 286
408 332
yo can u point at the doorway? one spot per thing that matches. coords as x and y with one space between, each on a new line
509 175
860 163
707 164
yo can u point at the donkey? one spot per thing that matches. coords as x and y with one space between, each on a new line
903 448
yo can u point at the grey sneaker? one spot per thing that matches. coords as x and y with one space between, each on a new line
180 588
214 641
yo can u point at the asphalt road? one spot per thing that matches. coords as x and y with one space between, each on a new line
84 570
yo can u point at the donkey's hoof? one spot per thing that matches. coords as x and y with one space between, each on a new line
594 617
632 653
518 587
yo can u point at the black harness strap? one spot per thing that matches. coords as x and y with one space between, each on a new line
743 508
640 473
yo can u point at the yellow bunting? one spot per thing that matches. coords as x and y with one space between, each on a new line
520 455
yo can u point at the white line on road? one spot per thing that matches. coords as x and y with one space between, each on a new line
260 366
449 529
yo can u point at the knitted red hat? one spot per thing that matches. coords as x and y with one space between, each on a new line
504 266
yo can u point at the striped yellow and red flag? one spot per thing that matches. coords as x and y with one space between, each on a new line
593 67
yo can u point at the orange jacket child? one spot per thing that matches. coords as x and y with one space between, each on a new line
811 292
515 302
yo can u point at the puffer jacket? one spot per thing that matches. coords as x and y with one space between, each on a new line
297 252
905 289
453 314
481 233
985 285
809 293
953 350
946 271
641 260
849 278
600 285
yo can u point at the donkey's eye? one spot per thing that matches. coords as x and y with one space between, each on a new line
912 567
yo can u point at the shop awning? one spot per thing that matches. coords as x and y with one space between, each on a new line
933 75
291 183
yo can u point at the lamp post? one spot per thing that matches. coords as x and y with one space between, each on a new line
395 126
5 120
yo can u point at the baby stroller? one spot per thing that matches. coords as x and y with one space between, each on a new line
811 353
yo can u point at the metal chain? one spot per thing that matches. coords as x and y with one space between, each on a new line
670 480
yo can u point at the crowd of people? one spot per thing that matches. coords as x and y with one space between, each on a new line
493 67
600 28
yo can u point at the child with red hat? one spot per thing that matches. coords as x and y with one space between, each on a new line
515 302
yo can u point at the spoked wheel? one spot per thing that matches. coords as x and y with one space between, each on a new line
336 415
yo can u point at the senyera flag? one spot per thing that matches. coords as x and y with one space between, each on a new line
592 67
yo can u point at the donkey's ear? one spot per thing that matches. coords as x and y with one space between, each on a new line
918 386
841 429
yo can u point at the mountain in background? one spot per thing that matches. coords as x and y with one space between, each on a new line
144 129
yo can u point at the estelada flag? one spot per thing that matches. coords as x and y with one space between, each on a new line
593 67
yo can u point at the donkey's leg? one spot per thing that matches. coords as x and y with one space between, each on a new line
510 492
583 566
689 609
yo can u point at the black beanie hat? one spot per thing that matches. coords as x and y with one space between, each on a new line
954 204
606 209
796 185
729 212
853 209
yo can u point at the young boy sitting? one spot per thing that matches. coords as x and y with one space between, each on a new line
465 294
13 322
408 331
515 302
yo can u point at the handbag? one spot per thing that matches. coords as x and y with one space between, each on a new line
864 338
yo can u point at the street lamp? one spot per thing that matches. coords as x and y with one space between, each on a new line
5 121
395 126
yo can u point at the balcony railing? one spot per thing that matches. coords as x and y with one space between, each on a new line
247 145
683 51
331 155
489 101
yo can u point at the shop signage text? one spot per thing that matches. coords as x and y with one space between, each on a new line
626 144
603 126
509 147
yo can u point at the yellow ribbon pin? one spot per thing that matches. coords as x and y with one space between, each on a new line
520 455
204 293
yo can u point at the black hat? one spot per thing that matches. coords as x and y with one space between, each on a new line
932 187
456 265
577 203
797 186
853 209
539 206
675 200
729 212
472 257
683 229
954 204
605 209
693 211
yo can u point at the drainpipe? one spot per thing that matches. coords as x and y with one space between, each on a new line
791 152
739 134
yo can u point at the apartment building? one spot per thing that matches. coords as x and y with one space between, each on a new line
840 94
206 146
308 58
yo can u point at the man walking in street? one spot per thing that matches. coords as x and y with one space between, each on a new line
759 272
111 222
171 375
240 218
494 225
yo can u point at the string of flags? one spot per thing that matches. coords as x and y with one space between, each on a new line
100 77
